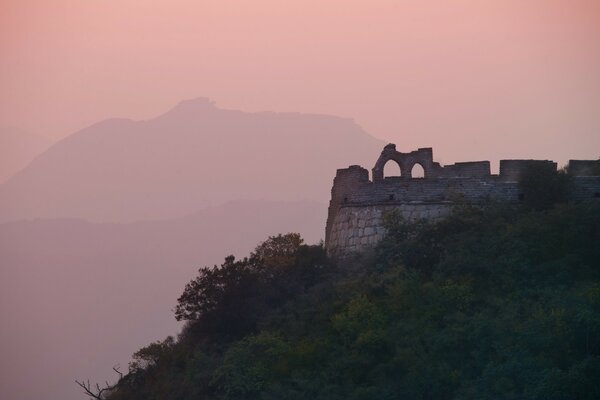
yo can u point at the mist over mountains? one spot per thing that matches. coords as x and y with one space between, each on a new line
79 297
193 156
100 232
18 148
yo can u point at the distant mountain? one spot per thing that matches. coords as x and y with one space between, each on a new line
193 156
78 297
17 149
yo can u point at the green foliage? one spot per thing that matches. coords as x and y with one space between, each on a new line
542 187
251 364
596 169
278 251
152 354
230 299
214 298
486 304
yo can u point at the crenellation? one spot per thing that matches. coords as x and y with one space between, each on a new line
584 167
467 169
511 170
358 204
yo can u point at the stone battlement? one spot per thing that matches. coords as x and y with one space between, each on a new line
358 203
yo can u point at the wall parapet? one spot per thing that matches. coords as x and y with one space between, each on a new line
357 202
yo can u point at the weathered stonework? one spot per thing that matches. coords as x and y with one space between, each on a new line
355 228
358 204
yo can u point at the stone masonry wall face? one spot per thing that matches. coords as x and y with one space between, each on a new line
357 228
358 204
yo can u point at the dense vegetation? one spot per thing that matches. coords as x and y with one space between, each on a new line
492 303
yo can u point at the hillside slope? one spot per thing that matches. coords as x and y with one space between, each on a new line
493 304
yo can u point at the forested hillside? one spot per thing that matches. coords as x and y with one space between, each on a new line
494 303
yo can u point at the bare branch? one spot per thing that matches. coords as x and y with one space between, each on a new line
99 392
88 390
116 369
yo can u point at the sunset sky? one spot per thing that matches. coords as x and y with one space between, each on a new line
474 79
107 226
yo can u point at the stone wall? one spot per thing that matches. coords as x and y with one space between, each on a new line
467 169
584 167
511 170
358 203
358 227
585 188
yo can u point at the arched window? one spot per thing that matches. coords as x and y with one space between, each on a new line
418 171
391 169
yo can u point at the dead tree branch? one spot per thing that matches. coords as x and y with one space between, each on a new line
97 392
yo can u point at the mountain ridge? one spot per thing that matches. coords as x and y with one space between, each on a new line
18 149
123 170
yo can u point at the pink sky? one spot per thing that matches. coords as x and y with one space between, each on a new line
475 79
480 79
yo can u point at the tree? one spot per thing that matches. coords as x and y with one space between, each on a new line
280 250
213 287
542 187
151 355
229 299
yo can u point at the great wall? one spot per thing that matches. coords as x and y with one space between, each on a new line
354 221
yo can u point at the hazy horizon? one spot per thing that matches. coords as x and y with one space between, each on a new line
473 79
77 298
150 138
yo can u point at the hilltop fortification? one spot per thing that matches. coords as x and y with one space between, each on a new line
358 203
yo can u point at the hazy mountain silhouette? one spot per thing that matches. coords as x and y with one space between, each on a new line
78 297
17 149
192 156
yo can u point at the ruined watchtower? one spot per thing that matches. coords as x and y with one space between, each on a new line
358 203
